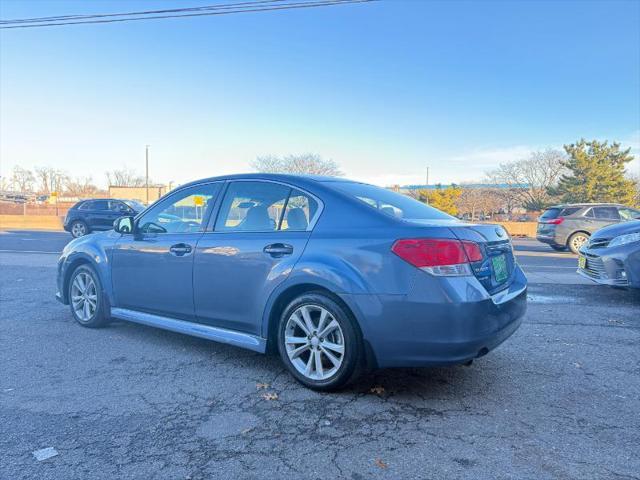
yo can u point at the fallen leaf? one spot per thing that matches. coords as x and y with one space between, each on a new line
270 396
578 365
380 464
378 390
262 386
246 430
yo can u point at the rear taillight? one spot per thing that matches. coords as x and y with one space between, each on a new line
555 221
439 256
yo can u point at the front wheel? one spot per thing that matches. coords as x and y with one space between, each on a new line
576 241
86 298
319 342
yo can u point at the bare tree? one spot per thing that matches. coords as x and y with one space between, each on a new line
80 187
307 163
469 202
125 177
22 179
531 178
50 179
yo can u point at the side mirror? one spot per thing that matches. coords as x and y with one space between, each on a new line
124 225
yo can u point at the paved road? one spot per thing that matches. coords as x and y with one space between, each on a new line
33 241
560 399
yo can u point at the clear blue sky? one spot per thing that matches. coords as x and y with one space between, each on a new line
384 89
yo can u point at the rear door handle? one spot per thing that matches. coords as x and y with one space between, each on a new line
278 249
180 249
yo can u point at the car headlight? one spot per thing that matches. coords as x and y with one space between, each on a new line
624 239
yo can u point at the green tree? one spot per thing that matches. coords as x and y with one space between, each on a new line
444 199
596 174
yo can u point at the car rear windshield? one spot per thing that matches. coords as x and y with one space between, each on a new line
391 203
552 213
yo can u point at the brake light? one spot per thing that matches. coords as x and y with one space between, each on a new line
438 256
555 221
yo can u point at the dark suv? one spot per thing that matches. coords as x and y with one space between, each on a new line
98 214
571 225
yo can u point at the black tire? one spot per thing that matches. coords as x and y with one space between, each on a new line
573 240
78 229
98 318
559 248
352 358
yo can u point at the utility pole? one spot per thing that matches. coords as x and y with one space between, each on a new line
146 157
427 189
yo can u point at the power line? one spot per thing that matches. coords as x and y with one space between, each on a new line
144 12
224 9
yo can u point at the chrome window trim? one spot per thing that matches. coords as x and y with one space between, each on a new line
312 223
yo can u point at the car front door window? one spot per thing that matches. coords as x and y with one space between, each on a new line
181 213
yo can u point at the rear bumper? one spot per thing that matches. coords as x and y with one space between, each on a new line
405 331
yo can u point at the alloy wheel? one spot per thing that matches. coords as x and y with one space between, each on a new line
577 241
84 296
78 229
314 342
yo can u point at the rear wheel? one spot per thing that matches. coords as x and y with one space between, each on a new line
85 298
79 229
576 241
319 342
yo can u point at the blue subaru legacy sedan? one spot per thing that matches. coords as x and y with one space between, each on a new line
334 275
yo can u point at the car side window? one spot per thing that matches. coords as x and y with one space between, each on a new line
182 212
117 206
629 213
86 206
99 205
589 213
300 211
569 211
252 206
606 213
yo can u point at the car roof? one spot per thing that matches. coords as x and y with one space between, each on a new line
581 205
283 177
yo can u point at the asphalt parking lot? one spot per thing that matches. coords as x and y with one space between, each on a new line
560 399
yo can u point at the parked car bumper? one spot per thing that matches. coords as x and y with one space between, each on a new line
409 331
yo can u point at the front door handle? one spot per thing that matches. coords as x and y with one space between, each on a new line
180 249
278 249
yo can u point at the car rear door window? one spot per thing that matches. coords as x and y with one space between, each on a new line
608 213
99 205
253 206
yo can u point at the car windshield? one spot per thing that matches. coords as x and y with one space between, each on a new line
137 206
391 203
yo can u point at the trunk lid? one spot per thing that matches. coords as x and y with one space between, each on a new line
496 270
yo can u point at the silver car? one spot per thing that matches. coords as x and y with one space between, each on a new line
571 225
612 256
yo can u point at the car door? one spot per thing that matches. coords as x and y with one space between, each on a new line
152 268
96 214
260 232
